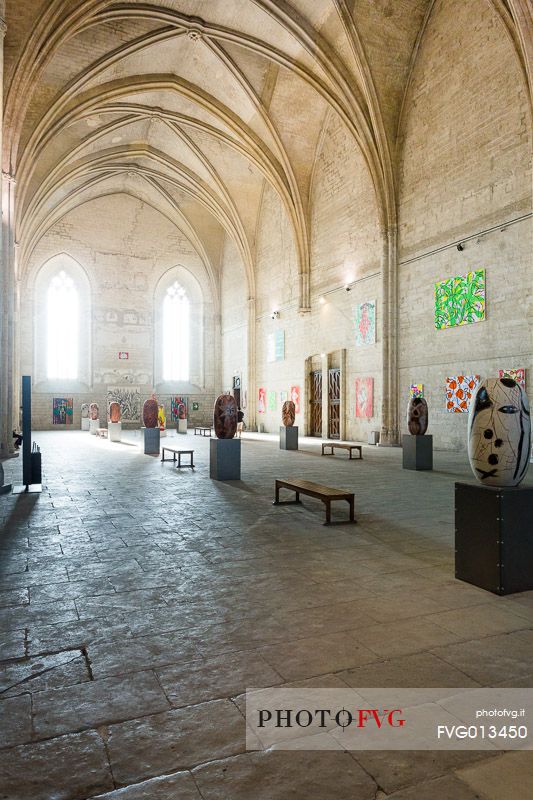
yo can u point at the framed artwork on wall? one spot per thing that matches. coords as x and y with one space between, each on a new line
129 400
178 408
364 397
62 410
417 390
295 397
518 375
459 392
365 323
460 300
261 401
271 401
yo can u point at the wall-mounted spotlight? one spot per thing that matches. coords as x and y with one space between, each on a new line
348 287
275 315
321 300
460 246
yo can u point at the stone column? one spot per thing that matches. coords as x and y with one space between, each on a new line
251 388
6 288
390 426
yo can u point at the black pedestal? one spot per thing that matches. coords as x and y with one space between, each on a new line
288 437
494 537
417 452
225 459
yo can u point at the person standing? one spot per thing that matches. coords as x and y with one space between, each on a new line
240 422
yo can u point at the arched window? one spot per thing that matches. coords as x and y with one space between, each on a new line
176 334
62 328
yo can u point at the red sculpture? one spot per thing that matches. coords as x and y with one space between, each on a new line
225 416
151 412
93 411
114 412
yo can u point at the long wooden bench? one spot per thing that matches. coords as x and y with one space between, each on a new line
324 493
202 430
342 446
102 432
176 451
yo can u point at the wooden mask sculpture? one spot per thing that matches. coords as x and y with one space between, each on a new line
93 411
499 432
150 412
288 413
417 416
115 413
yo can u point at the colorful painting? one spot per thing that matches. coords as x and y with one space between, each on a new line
62 410
261 401
178 408
129 399
271 401
459 392
365 323
518 375
364 397
295 397
283 396
417 390
460 300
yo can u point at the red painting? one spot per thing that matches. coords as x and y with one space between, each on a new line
295 397
364 397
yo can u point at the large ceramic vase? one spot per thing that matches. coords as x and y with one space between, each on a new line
288 413
499 432
114 412
93 411
417 416
225 416
150 413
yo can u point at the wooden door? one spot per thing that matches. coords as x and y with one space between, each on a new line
334 403
316 403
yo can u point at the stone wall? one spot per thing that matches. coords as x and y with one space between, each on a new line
125 249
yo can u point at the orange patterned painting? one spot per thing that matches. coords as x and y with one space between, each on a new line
459 392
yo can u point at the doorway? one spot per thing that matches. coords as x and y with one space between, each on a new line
334 403
316 403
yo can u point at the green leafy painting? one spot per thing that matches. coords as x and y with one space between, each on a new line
460 300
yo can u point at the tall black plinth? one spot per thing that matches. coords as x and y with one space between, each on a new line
288 437
417 451
494 537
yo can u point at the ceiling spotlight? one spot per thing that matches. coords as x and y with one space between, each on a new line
460 246
321 300
275 315
348 287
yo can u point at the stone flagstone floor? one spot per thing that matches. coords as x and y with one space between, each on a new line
137 604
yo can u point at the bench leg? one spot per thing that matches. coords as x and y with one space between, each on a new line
327 503
351 503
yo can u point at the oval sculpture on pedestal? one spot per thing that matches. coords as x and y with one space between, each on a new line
417 416
85 410
499 432
150 412
288 413
93 411
225 416
182 411
115 413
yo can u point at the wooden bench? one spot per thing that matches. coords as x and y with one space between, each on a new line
324 493
342 446
202 430
179 453
102 432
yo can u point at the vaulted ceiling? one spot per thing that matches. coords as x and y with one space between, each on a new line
192 105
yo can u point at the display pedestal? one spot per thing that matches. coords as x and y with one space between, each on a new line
182 426
94 425
114 431
152 441
373 437
85 423
5 488
288 437
417 452
493 541
225 459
